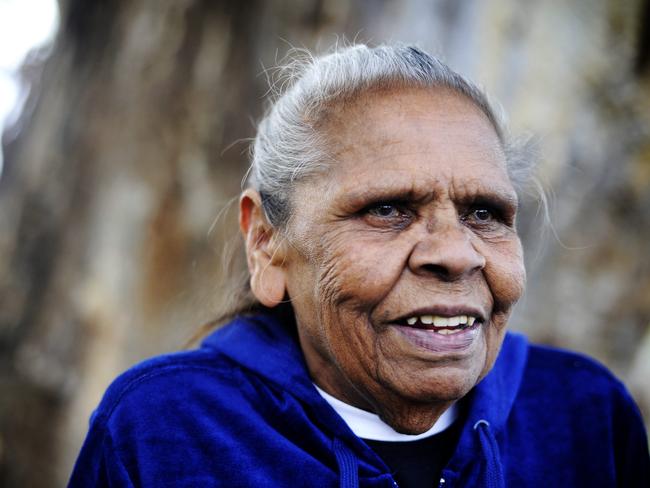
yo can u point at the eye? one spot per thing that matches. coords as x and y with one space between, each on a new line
482 214
385 210
387 214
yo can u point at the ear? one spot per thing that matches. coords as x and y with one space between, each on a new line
264 251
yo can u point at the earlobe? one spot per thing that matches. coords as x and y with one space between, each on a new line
264 251
268 286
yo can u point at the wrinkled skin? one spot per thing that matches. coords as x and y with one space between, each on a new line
416 214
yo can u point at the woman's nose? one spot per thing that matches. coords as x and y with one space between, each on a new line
446 252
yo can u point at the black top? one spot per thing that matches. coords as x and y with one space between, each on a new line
418 464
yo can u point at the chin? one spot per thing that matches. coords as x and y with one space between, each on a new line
440 387
454 389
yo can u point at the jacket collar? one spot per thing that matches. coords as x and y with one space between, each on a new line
492 399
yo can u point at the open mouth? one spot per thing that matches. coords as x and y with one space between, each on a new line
442 325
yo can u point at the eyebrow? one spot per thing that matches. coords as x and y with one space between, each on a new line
361 197
489 194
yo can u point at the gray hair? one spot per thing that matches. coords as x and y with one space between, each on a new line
289 145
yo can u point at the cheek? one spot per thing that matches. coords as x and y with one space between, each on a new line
352 277
335 283
358 272
505 275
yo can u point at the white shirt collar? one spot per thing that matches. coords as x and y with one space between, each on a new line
369 426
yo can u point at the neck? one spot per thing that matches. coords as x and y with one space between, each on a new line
369 426
403 415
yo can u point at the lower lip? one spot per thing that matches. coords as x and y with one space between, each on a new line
434 342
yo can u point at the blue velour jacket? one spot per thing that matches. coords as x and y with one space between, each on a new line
241 411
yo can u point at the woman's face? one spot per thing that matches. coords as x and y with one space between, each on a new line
403 262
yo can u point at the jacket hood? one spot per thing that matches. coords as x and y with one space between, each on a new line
268 346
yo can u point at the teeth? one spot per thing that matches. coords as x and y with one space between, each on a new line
438 321
448 331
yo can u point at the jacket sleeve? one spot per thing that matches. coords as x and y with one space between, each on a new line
98 464
631 453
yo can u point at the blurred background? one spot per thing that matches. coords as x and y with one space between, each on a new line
125 141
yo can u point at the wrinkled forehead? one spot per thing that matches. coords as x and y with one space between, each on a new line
433 132
372 117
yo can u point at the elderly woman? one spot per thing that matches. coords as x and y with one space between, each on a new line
384 260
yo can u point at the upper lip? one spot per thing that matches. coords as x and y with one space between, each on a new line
443 311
